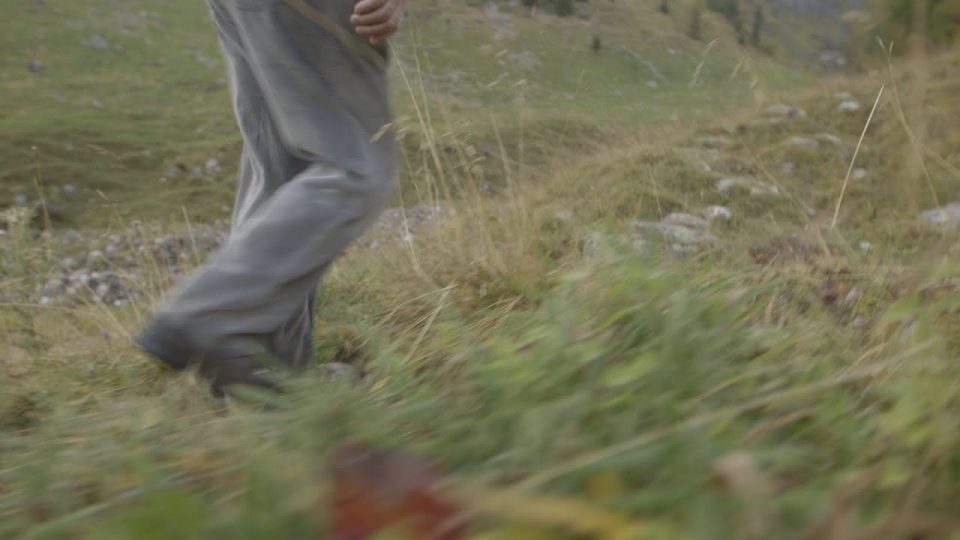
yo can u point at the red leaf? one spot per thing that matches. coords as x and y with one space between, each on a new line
379 490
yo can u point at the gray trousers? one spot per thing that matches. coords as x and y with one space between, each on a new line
317 168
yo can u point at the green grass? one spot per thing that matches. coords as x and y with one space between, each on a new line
112 122
783 384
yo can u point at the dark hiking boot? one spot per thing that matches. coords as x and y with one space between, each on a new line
168 345
226 372
174 349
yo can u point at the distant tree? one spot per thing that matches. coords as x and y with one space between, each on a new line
564 7
695 25
665 6
939 27
757 31
730 9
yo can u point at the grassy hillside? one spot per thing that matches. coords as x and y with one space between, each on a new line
125 102
728 323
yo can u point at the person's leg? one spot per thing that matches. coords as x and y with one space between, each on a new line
264 167
325 107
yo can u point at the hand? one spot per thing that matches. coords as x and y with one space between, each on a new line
377 20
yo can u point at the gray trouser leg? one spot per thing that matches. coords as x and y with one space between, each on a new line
314 176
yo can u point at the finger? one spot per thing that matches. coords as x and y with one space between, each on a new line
374 18
366 6
384 29
381 38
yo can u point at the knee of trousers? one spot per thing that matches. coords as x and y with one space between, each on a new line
363 193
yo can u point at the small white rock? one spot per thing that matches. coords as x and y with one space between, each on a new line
95 257
859 174
830 138
97 41
849 105
686 220
102 290
945 216
804 142
785 111
752 185
714 213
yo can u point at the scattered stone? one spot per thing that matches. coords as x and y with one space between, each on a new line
457 76
339 370
701 159
197 172
597 244
102 291
946 216
830 138
53 287
21 200
96 103
832 61
71 236
788 167
675 234
173 171
866 247
788 112
859 174
749 184
686 220
212 165
96 258
804 142
69 190
111 251
68 263
97 42
714 213
35 66
849 106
